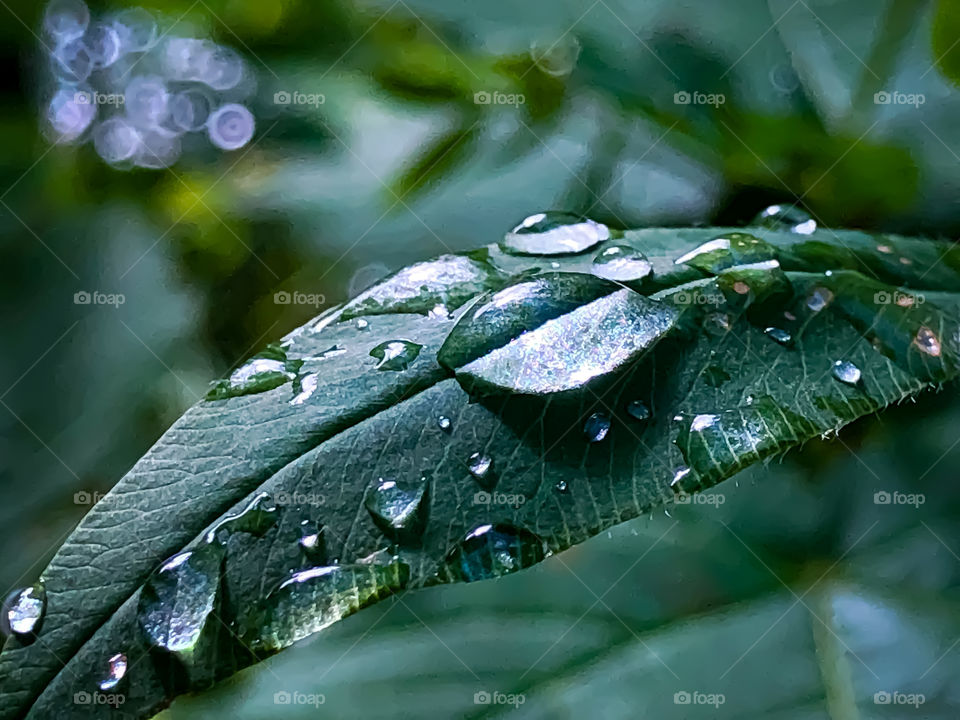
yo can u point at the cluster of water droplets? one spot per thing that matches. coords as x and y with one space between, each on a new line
139 93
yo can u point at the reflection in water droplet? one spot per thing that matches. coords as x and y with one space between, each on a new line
928 342
258 516
313 542
561 486
230 126
819 298
491 551
554 233
780 336
621 263
399 510
70 113
22 613
481 467
597 427
638 410
786 217
444 423
362 324
846 372
116 669
556 57
190 109
265 371
395 354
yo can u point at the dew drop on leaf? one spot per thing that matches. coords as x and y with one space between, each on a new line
481 467
621 263
638 410
399 509
265 371
395 354
312 542
597 427
561 486
116 670
258 516
819 298
554 233
362 324
445 424
786 217
23 612
307 386
491 551
846 372
928 342
779 336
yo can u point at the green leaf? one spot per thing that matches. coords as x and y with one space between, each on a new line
561 405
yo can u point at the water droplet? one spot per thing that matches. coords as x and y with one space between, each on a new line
66 20
145 100
70 114
597 427
221 69
554 233
23 612
103 44
308 385
638 410
116 140
178 602
819 298
313 599
363 324
189 109
312 542
258 516
445 424
621 263
786 217
439 312
928 342
481 467
906 261
398 509
780 336
265 371
678 477
885 249
561 486
116 670
71 62
137 29
846 372
556 57
491 551
395 354
728 251
230 126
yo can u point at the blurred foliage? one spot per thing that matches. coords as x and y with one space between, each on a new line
400 163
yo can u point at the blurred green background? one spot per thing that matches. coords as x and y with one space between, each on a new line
828 597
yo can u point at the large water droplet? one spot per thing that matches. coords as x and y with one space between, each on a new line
313 542
445 424
189 109
71 62
728 251
491 551
819 298
65 20
557 56
786 217
70 114
554 233
927 341
116 670
116 140
22 613
146 99
313 599
621 263
597 427
399 509
395 354
846 372
230 126
265 371
177 605
481 467
137 29
258 516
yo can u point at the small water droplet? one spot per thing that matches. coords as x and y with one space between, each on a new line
562 486
678 477
906 261
481 467
230 127
554 233
638 410
780 336
439 312
116 670
885 249
362 324
258 516
312 542
819 298
445 424
23 612
597 427
556 57
786 217
308 385
846 372
621 263
399 509
395 354
491 551
928 342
